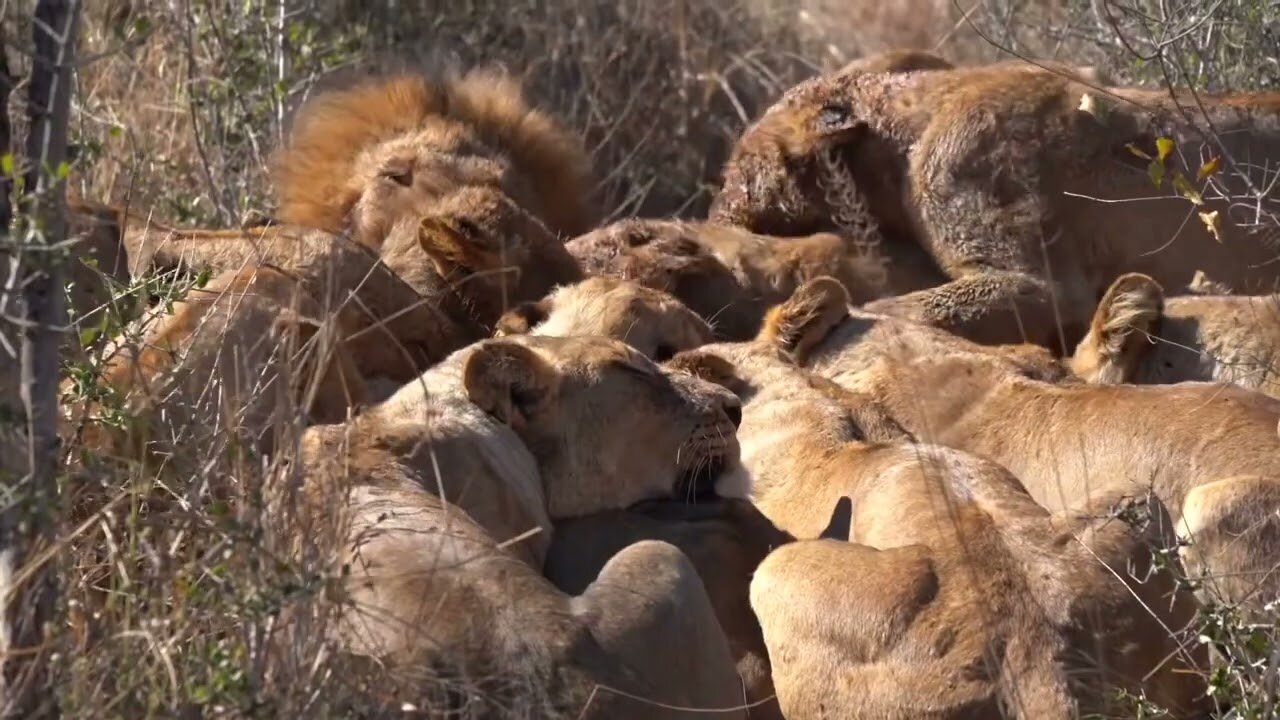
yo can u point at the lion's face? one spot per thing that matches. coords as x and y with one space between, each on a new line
817 114
651 321
405 177
479 242
664 257
607 426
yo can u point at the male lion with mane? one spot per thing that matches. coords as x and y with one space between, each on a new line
368 156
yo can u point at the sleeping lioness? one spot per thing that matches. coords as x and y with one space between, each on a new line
1209 451
449 487
962 597
1140 336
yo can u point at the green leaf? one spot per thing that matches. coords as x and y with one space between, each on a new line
1155 171
1164 146
1208 168
64 169
202 278
87 336
6 163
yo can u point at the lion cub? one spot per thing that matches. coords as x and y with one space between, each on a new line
958 596
446 492
1140 336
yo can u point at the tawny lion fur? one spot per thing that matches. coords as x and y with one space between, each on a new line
993 172
725 539
651 321
1208 451
725 274
956 598
452 484
909 60
401 332
1140 336
367 155
239 358
443 280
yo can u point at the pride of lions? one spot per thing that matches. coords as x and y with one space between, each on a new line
903 429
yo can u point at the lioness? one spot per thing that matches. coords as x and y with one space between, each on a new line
1008 179
1140 336
963 597
725 274
368 156
492 444
1209 452
651 321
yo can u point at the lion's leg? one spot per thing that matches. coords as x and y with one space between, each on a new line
648 608
984 219
158 247
990 307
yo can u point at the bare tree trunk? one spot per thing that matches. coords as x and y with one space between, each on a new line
29 594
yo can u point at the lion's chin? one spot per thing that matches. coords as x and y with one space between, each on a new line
700 482
734 482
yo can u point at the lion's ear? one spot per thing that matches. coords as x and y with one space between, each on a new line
523 318
1122 328
807 317
509 381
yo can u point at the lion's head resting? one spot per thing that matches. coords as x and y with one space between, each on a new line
651 321
607 426
367 156
817 113
666 256
490 250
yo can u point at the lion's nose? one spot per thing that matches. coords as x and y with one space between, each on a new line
733 409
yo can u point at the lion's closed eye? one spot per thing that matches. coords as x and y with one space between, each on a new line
398 173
